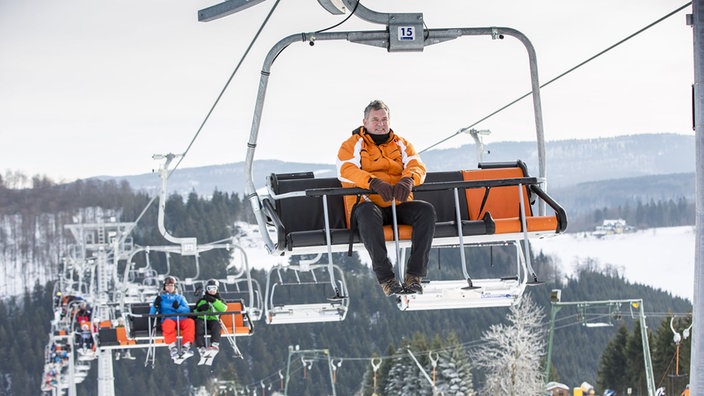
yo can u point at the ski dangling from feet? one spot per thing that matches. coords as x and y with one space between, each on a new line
182 357
206 358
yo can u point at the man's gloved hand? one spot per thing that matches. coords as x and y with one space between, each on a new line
175 304
157 301
384 189
402 189
209 298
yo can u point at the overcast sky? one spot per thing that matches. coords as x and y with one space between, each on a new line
93 88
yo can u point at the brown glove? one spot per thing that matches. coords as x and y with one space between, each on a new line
384 189
402 189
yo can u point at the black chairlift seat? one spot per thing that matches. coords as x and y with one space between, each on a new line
300 224
142 330
488 200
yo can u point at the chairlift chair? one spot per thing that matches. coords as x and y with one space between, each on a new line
489 204
296 294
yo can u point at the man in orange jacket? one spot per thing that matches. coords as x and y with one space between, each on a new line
375 158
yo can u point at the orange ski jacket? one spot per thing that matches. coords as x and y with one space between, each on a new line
360 160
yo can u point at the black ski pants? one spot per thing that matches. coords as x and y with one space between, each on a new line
204 327
370 221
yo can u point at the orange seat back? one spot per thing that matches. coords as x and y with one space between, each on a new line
502 202
234 323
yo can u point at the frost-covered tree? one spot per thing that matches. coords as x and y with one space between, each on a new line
453 369
400 375
405 377
511 354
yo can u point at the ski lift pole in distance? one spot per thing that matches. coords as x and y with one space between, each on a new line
556 304
434 357
478 141
375 368
313 355
432 383
335 366
677 338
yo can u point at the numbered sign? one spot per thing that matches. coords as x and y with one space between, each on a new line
406 33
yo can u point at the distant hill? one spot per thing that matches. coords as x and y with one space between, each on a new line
582 174
587 196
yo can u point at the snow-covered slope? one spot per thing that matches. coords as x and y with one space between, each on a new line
659 257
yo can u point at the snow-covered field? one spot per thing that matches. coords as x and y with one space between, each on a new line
658 257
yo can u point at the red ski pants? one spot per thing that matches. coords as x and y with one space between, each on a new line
186 325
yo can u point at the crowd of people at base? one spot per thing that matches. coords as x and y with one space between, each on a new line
56 361
73 318
75 315
205 331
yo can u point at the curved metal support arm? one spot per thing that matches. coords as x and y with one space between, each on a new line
189 245
365 13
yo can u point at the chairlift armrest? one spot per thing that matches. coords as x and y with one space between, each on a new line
559 210
476 184
437 186
218 313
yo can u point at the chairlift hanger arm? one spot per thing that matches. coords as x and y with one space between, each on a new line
379 38
189 245
384 39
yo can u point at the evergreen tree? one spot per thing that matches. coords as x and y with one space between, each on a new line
670 366
635 369
373 322
404 377
613 363
454 375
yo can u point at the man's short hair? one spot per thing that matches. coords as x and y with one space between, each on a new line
376 104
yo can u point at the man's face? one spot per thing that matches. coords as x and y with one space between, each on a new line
377 122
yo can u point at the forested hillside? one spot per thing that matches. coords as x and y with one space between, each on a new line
374 327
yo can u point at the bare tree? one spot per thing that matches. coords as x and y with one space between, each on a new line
510 355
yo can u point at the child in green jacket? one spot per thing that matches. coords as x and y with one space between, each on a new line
209 324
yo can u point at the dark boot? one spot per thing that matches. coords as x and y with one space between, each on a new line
412 283
391 287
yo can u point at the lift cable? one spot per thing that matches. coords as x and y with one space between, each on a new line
560 76
212 108
224 88
342 21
